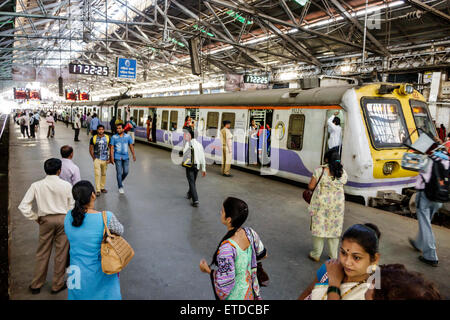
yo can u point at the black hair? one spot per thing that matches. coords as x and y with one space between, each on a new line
225 122
100 126
119 124
237 210
337 121
186 118
66 151
366 235
82 192
334 163
51 166
131 118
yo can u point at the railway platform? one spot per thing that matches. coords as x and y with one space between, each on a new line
170 237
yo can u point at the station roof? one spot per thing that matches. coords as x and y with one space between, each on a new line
235 36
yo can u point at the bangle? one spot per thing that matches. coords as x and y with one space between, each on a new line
334 289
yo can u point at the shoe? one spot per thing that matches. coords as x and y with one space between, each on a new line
97 193
35 291
121 191
104 191
413 244
64 287
312 258
433 263
227 175
195 204
188 196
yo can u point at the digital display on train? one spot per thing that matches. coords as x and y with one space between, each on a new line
88 69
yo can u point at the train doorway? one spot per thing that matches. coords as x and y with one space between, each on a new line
327 130
259 137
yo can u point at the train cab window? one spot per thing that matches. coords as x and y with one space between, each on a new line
140 119
230 116
173 120
422 117
164 120
386 122
295 131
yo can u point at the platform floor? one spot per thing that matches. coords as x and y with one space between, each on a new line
170 237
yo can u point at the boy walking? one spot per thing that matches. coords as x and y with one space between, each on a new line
98 148
120 142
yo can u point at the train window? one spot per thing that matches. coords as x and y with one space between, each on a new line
295 131
212 121
140 120
386 122
230 116
119 114
422 117
164 120
173 120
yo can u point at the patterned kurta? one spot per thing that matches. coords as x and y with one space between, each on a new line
242 284
327 205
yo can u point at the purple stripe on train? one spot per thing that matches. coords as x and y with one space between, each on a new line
288 161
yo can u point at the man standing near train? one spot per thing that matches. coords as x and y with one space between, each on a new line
227 148
335 131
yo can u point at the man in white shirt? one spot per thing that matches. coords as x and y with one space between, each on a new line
51 125
227 148
69 170
54 199
24 124
335 131
77 126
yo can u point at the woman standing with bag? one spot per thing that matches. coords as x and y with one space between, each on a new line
327 206
236 256
84 228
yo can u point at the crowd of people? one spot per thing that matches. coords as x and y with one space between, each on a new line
67 217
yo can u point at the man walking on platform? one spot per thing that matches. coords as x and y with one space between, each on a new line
227 148
69 170
32 125
98 148
24 124
51 125
119 154
54 199
77 127
94 124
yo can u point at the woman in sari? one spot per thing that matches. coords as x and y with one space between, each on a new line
346 278
236 256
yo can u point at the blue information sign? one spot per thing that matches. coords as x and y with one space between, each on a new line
126 68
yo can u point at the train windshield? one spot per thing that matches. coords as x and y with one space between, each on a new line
386 122
422 117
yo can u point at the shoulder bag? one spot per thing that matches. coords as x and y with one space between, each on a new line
307 194
115 251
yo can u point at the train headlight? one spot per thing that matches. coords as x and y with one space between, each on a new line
406 89
388 168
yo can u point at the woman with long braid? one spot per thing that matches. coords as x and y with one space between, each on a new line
84 228
327 206
236 256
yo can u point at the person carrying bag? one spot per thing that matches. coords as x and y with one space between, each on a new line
116 252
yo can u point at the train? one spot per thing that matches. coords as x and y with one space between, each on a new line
376 118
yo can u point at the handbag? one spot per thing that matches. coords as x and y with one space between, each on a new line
116 252
189 161
307 194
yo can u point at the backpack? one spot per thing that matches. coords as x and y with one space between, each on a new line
22 122
127 127
437 189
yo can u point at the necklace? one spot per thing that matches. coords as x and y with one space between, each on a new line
347 292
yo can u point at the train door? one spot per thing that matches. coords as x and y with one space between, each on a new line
259 137
326 135
238 123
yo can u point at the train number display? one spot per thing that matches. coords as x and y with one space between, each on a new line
88 69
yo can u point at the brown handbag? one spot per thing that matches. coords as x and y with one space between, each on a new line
307 194
116 252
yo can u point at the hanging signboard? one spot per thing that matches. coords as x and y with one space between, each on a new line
126 68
